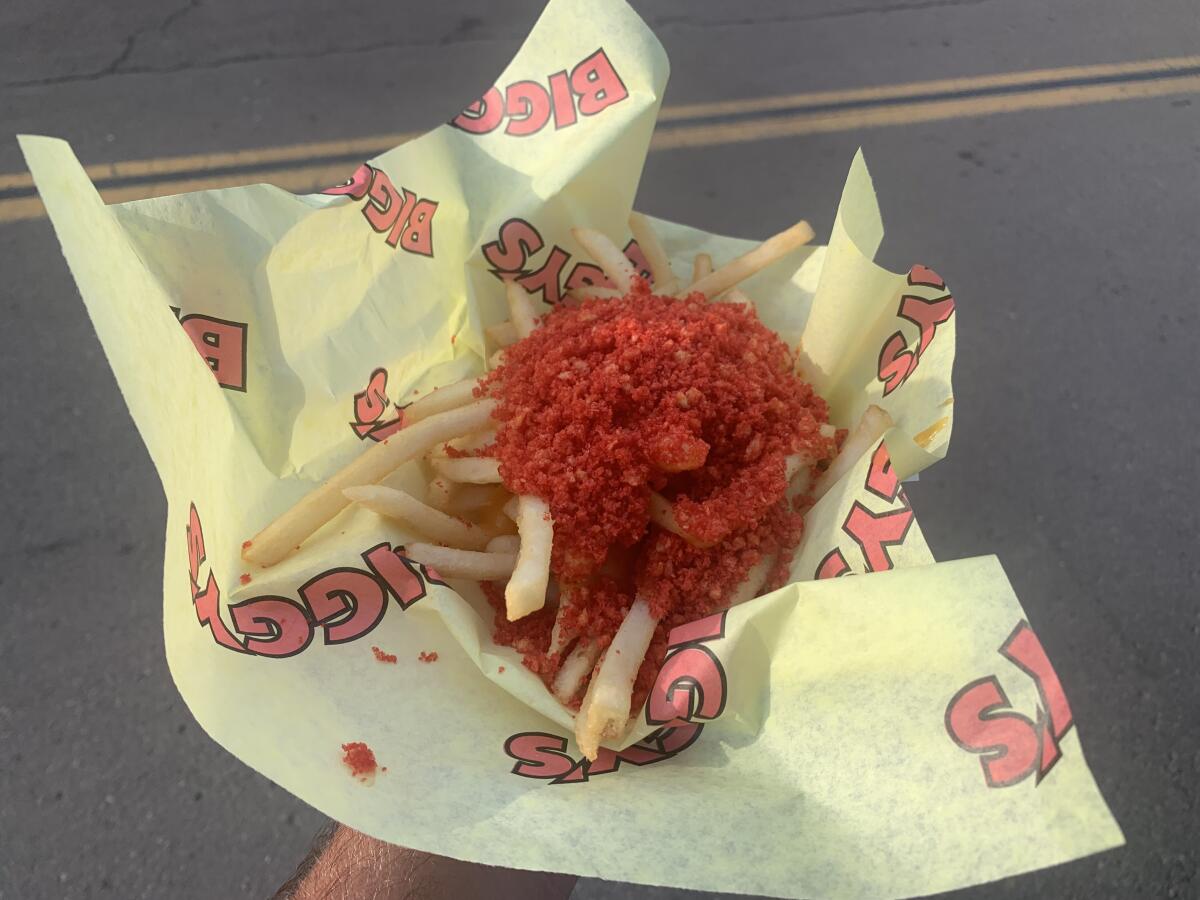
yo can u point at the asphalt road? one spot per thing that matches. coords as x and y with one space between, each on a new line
1069 235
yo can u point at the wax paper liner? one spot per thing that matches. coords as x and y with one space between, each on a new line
894 733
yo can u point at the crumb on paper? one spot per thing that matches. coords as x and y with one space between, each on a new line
247 544
500 671
359 759
383 656
245 579
428 657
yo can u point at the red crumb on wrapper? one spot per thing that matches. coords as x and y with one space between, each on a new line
247 544
245 579
428 657
359 759
500 670
384 657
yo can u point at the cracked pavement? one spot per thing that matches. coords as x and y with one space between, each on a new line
1067 234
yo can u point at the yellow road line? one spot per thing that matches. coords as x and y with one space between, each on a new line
909 113
1165 66
256 157
284 166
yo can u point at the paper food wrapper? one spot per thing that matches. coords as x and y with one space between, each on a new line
901 732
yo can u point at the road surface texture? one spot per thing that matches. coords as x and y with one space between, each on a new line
1068 232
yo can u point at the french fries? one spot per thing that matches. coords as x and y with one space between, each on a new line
468 469
526 590
662 514
520 309
771 250
504 543
478 528
594 292
608 256
874 423
439 494
604 713
665 281
452 563
320 505
752 585
429 521
576 667
471 498
502 335
441 400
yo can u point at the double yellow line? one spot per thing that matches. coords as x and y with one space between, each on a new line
308 167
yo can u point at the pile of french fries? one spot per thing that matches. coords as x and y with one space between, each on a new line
477 529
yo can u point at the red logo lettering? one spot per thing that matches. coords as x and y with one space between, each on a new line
690 686
896 361
512 249
370 407
832 565
539 755
511 256
222 344
882 480
273 626
980 719
355 186
347 603
597 84
1025 651
875 532
482 116
591 87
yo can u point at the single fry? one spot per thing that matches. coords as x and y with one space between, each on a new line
609 257
520 309
526 590
468 443
665 281
701 266
468 469
576 667
320 505
504 543
662 514
870 428
511 508
452 563
754 581
769 251
560 635
429 521
604 713
502 335
736 295
594 292
441 399
440 494
470 498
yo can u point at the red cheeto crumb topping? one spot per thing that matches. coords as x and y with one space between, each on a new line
245 578
430 657
609 400
359 759
384 657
